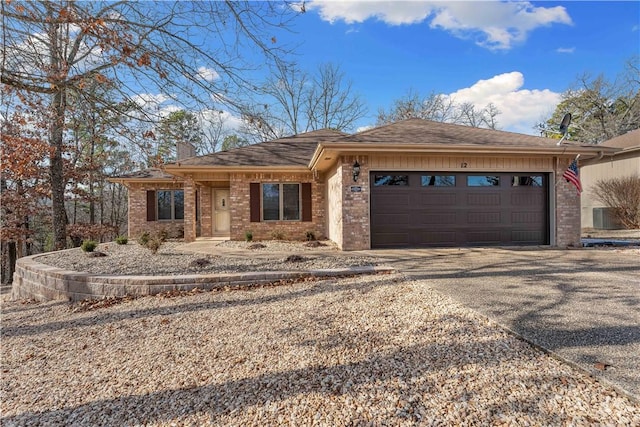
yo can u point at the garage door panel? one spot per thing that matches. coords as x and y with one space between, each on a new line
526 236
533 218
485 237
393 200
391 239
435 219
391 219
436 199
530 199
460 215
483 199
444 238
483 218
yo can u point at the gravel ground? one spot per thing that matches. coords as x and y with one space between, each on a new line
371 350
133 259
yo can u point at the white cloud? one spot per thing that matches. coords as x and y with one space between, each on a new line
208 74
493 25
520 108
230 123
363 128
149 100
566 49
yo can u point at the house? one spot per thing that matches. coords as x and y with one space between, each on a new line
410 183
624 163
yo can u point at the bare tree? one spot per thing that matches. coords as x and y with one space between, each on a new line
623 195
439 108
296 102
331 101
56 48
601 109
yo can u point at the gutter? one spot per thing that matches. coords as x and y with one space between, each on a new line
360 148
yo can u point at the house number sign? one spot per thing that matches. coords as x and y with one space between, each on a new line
356 189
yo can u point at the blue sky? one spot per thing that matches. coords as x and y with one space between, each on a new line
521 56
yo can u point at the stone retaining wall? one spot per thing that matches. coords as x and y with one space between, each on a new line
42 282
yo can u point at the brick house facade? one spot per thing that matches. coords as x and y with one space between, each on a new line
418 181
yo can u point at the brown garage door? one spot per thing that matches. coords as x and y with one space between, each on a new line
458 209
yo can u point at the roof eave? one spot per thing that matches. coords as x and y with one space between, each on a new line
125 180
337 149
183 170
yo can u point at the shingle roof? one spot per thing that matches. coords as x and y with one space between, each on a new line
290 151
420 131
149 174
630 139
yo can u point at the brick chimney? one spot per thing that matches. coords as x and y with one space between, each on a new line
184 150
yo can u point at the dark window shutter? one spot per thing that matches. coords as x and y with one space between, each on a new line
254 201
151 205
306 201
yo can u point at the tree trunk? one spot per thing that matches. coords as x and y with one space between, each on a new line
56 171
9 266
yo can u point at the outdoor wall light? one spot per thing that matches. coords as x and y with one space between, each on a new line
356 170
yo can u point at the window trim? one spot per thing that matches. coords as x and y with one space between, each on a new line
281 202
172 202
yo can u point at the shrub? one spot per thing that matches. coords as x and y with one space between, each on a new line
144 238
122 240
154 244
277 235
248 236
163 235
310 235
89 245
623 195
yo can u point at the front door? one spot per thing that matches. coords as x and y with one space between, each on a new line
221 215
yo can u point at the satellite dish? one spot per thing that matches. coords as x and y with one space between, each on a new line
564 127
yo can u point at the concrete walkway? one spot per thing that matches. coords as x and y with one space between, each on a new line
581 305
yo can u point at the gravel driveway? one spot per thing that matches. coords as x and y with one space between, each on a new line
369 350
583 305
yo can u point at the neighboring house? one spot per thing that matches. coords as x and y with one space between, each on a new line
410 183
623 163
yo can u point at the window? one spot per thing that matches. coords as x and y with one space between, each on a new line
526 181
483 181
170 204
438 180
390 180
281 202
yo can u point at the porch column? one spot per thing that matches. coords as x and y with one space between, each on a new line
189 209
355 205
567 209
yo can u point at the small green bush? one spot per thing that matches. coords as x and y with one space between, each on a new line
248 236
122 240
144 238
89 245
163 235
310 235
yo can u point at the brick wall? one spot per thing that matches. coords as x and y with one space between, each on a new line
206 211
567 209
291 230
138 211
189 210
355 205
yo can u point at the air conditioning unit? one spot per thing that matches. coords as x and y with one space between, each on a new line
604 219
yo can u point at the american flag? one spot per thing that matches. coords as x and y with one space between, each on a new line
572 175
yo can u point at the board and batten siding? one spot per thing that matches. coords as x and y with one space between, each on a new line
470 163
334 205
